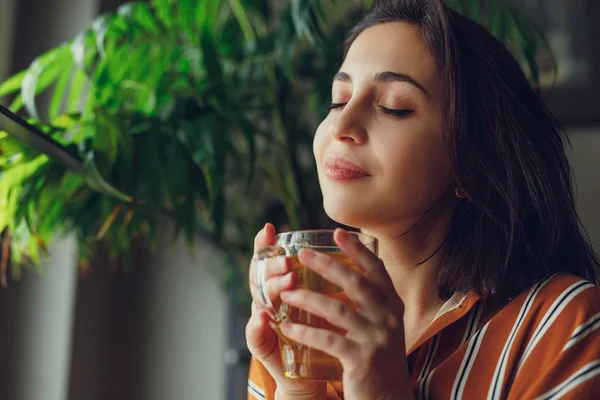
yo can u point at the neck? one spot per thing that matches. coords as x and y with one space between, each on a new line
413 260
415 284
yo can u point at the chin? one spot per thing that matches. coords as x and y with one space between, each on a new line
345 213
370 214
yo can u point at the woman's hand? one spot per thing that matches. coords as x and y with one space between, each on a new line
372 352
260 337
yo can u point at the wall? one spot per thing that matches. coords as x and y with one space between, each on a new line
585 160
7 13
186 323
45 318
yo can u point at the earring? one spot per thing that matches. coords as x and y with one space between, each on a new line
460 193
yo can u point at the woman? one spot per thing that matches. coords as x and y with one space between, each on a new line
437 145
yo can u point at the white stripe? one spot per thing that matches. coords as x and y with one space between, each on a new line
424 386
551 315
582 375
255 395
430 355
425 372
255 387
497 381
469 358
583 331
473 322
256 390
428 379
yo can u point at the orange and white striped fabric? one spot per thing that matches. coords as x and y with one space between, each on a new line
544 344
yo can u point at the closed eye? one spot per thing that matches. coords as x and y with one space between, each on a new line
396 113
333 106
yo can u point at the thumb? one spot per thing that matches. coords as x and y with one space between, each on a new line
261 338
264 238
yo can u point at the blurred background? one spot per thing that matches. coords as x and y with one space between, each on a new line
107 316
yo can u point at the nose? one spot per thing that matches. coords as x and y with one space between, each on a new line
349 126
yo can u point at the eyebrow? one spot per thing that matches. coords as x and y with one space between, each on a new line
383 77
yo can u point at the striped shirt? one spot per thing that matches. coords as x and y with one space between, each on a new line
543 344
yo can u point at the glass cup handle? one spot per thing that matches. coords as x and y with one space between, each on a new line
260 260
261 265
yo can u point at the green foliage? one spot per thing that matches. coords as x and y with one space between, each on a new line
202 111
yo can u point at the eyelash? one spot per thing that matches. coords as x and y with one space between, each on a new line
388 111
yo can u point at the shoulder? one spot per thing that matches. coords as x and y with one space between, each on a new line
567 290
562 301
562 289
557 328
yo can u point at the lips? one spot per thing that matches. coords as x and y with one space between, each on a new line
342 169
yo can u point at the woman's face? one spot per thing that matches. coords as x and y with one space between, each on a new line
380 152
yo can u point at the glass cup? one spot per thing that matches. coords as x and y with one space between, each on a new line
299 361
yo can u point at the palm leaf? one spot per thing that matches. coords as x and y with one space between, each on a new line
304 17
41 74
164 12
12 84
100 26
59 92
243 19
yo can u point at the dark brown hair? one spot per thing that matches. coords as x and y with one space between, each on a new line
519 223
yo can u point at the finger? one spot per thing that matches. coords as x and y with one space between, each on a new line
335 345
260 337
371 265
331 309
275 266
274 287
265 237
354 284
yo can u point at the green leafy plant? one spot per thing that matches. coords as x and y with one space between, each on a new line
201 111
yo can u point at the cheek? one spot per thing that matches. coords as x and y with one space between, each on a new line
421 168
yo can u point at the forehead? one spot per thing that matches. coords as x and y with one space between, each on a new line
394 46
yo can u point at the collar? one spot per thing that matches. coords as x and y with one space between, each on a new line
451 311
